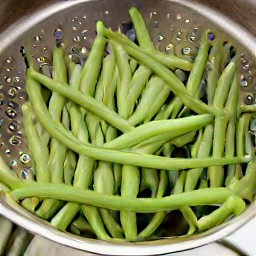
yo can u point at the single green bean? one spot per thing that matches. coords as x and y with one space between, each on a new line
94 218
140 205
90 72
234 205
125 77
133 65
136 87
214 69
231 109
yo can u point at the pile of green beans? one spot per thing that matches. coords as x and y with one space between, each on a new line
124 139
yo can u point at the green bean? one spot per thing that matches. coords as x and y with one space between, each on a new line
125 79
224 84
194 78
233 205
149 95
58 151
184 139
149 180
69 167
8 177
133 65
57 131
214 69
104 184
157 104
84 167
196 74
204 150
216 174
6 230
140 205
158 217
83 226
137 84
187 212
39 151
93 216
85 101
245 187
104 171
154 130
164 73
90 72
231 108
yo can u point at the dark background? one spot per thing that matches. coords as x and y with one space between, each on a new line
241 11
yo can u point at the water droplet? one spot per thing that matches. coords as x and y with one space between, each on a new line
38 38
10 112
8 79
15 140
169 48
106 12
187 21
44 49
160 37
25 158
168 15
74 28
76 39
41 59
7 151
131 34
83 51
249 99
186 50
27 173
84 17
194 35
84 31
246 67
1 121
1 86
13 126
13 163
16 79
12 92
178 16
9 60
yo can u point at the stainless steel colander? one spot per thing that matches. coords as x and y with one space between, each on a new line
174 25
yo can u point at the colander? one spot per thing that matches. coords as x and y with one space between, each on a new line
174 25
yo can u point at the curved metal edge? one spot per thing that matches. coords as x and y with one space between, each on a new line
18 215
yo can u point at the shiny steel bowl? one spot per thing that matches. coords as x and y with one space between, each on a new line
23 22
